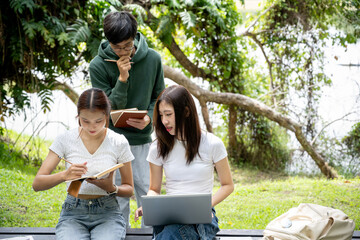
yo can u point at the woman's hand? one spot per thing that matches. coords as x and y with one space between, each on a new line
45 180
138 213
75 171
104 183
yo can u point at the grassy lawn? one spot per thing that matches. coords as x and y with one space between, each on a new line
257 199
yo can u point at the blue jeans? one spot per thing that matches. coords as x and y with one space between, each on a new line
187 231
141 175
90 219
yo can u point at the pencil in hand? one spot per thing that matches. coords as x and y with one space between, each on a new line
61 158
110 60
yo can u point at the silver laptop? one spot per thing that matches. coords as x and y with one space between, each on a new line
180 209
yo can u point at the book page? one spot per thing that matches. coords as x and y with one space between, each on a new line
122 110
115 116
100 174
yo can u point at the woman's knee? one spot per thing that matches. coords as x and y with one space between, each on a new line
178 232
71 229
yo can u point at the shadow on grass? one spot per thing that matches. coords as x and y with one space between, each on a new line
246 176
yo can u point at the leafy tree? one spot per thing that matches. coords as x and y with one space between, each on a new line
352 141
50 39
290 35
293 35
43 42
211 50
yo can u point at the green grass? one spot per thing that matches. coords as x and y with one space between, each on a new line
257 199
254 204
20 206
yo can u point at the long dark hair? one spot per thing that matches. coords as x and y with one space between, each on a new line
186 120
94 99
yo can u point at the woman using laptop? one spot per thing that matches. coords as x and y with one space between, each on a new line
188 156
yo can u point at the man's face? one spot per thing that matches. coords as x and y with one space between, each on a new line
124 48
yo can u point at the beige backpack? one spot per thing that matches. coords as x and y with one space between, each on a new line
310 222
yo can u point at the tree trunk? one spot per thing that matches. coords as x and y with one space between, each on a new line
232 131
253 106
205 114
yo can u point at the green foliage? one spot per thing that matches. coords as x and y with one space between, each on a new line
261 144
20 99
295 33
343 158
78 32
137 11
352 141
292 34
209 28
351 20
350 150
27 150
44 40
41 41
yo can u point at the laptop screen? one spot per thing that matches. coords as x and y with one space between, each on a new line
177 209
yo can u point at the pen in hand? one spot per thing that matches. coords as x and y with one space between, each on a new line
111 60
61 158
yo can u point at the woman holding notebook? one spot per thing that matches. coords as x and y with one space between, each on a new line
188 156
93 212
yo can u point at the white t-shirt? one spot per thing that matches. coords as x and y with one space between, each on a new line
198 177
113 150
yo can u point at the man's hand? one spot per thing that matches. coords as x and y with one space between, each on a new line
139 123
138 213
124 66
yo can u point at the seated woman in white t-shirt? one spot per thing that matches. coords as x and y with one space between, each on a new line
188 156
90 148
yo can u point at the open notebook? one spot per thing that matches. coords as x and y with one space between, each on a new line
181 209
75 184
99 174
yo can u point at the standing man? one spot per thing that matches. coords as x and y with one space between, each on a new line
134 80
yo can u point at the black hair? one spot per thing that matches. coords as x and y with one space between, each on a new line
187 127
120 26
94 99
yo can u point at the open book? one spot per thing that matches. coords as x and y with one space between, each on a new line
75 184
100 174
119 117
